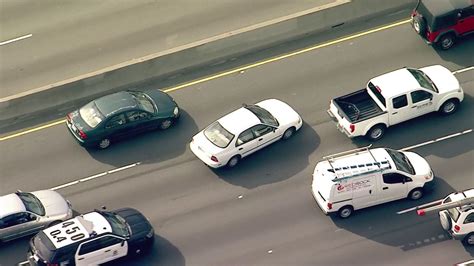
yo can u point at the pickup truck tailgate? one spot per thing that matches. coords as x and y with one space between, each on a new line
341 123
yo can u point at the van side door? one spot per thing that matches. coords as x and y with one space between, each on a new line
392 187
364 191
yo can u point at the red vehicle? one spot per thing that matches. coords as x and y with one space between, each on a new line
441 22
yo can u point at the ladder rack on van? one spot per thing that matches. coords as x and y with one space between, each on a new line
356 169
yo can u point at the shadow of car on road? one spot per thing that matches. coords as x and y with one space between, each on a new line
150 147
406 231
277 162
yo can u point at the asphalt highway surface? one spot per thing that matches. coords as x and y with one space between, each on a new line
63 39
262 212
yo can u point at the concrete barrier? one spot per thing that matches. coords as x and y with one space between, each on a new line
17 107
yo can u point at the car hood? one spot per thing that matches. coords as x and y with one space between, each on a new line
163 101
54 204
421 166
284 113
444 80
139 225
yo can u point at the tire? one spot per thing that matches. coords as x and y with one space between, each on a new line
233 161
104 144
376 132
468 240
449 107
345 212
445 220
288 133
165 124
416 194
446 41
419 24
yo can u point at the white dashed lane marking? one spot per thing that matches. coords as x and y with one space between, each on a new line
16 39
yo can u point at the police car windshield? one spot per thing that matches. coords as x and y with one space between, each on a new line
401 161
32 203
118 224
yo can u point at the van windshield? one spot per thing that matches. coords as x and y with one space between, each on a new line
401 161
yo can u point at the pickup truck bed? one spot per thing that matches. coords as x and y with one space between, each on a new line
357 106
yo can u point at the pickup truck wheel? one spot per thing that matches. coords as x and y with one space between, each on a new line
469 240
449 107
376 132
345 212
446 41
415 194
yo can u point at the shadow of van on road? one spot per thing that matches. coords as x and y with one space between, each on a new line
277 162
150 147
406 231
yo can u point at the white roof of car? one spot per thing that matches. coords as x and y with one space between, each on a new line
88 224
395 83
10 204
239 120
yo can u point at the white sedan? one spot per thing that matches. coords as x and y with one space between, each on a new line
245 131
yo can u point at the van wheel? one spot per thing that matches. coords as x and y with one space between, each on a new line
233 161
446 41
449 107
469 240
415 194
288 133
345 212
376 132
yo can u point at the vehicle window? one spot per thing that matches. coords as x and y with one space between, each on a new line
400 101
377 92
118 224
65 253
108 241
401 161
135 115
245 137
90 246
454 213
91 114
116 121
218 135
466 12
423 79
393 178
144 101
469 218
420 95
32 203
263 115
16 219
260 130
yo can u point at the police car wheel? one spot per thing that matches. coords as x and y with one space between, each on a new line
469 240
345 212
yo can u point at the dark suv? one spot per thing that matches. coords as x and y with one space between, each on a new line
440 22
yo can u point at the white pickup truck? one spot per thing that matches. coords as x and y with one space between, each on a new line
396 97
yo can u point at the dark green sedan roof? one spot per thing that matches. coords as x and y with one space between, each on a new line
117 102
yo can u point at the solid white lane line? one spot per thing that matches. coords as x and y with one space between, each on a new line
463 70
95 176
16 39
438 139
23 263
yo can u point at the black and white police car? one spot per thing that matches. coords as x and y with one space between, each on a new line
92 238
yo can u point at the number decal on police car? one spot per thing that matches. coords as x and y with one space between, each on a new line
55 234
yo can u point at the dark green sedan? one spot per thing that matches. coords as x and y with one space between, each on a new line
121 115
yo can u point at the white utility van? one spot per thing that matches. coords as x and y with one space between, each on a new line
365 177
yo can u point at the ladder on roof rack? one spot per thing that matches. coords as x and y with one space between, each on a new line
356 169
